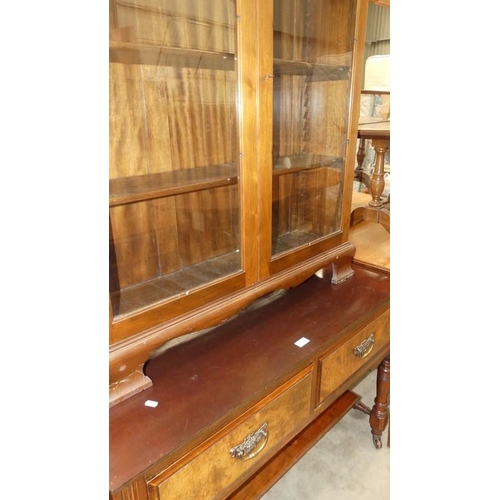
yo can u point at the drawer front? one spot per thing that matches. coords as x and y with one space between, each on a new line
241 445
338 365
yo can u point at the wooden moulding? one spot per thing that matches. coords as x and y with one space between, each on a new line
127 358
134 383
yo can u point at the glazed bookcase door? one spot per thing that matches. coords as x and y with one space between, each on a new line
174 191
313 43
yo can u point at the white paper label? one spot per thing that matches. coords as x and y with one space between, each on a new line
301 342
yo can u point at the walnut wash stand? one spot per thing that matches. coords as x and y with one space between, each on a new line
235 408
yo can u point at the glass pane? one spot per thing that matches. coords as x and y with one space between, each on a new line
313 44
173 170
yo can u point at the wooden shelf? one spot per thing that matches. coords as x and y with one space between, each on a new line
294 239
296 163
132 299
314 71
147 187
158 55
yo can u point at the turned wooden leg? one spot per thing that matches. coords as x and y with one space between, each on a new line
380 411
378 183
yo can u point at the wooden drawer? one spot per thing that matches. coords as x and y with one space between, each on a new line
338 365
216 466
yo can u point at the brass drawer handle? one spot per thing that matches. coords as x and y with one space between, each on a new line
252 445
363 349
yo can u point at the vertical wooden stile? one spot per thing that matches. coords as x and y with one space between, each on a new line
251 166
265 131
354 105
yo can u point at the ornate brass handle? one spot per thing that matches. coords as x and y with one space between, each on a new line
252 445
363 349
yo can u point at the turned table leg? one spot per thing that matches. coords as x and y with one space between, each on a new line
378 182
380 412
377 209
